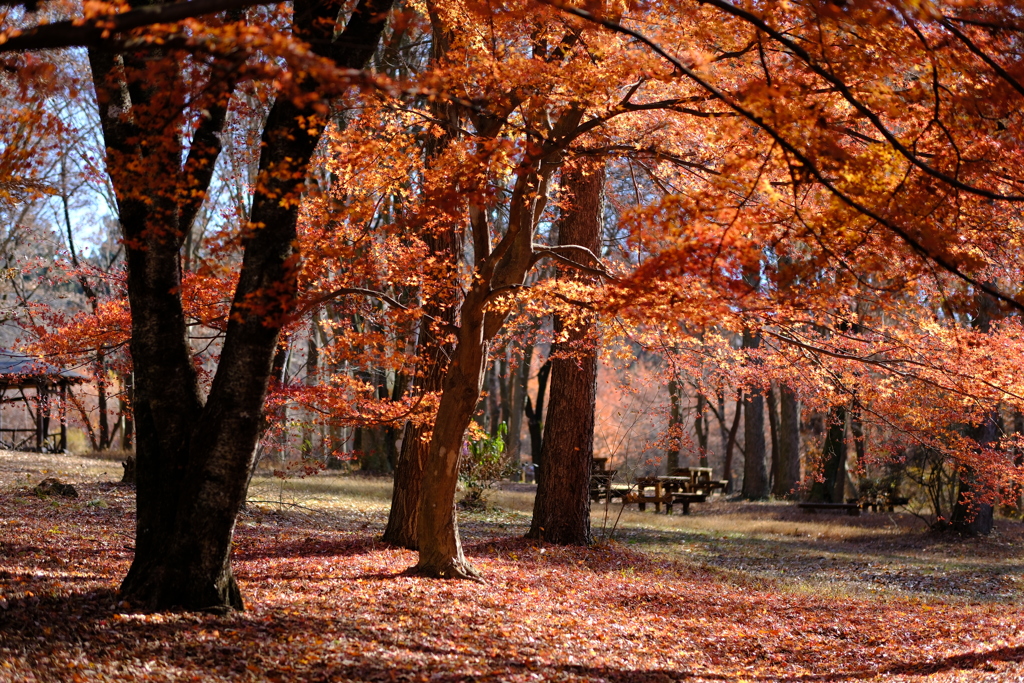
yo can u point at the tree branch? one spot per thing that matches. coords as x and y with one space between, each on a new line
94 30
555 253
916 245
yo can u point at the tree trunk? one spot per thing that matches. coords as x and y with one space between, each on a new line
971 516
561 510
193 459
829 488
517 405
787 475
755 464
500 269
730 437
773 431
535 417
105 439
441 313
437 530
675 427
700 425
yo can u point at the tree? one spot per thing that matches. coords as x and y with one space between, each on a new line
561 509
195 453
756 483
786 475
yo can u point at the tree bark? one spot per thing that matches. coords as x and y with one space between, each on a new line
194 457
829 488
773 431
446 245
730 437
700 425
787 475
971 516
675 426
755 464
561 510
535 416
517 405
501 269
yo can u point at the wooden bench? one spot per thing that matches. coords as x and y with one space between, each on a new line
852 509
685 499
880 504
643 500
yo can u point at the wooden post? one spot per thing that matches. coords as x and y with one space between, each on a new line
657 494
39 418
63 417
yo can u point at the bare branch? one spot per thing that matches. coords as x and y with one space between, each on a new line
541 252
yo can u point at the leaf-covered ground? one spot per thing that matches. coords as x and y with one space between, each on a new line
327 602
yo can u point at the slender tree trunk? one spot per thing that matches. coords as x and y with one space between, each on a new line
730 439
700 425
437 530
971 516
829 489
675 426
535 417
561 510
787 475
309 448
441 313
503 268
755 463
446 244
101 400
517 405
773 432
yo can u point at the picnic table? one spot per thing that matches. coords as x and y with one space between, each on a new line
601 486
684 486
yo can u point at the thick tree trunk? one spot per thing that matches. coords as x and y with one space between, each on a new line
971 516
832 482
194 459
787 474
561 510
755 463
191 567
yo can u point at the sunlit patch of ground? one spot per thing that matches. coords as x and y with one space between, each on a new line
327 601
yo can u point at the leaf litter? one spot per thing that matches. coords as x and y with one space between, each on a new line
326 601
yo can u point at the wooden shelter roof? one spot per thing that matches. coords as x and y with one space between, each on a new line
18 369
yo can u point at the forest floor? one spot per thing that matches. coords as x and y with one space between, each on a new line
733 592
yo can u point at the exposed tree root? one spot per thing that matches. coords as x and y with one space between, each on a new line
452 569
